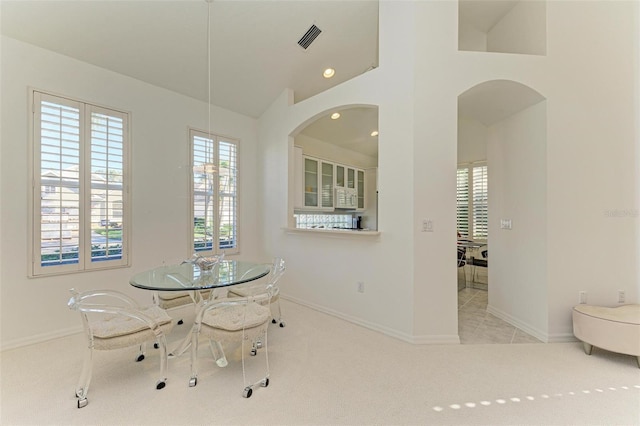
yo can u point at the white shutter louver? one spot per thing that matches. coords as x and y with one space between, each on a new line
462 202
480 203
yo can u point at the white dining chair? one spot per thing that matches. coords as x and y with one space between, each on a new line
234 320
278 267
113 320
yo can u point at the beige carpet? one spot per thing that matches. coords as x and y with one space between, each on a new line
325 371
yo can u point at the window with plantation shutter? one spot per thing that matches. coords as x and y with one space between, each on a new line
78 220
462 202
214 199
472 195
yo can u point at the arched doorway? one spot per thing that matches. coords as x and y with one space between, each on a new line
502 148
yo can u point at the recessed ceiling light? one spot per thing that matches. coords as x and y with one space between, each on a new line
328 73
374 133
335 115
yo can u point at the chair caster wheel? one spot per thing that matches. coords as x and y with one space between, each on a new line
193 381
253 352
82 402
160 385
273 321
140 358
247 392
180 322
156 346
264 383
282 324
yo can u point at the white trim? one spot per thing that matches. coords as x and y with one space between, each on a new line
40 338
538 334
85 109
416 340
347 233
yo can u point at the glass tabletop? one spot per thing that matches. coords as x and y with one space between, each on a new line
189 277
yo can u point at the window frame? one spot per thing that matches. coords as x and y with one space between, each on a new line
471 207
85 262
216 140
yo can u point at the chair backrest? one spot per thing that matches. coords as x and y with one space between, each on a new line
277 269
484 251
462 253
99 303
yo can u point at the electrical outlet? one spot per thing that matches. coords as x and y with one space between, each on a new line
360 286
621 296
582 297
427 225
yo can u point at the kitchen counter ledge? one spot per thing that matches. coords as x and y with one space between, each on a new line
332 232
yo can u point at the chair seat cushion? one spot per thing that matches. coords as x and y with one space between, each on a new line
119 325
236 317
172 299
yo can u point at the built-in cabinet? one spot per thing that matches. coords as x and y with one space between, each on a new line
321 178
318 183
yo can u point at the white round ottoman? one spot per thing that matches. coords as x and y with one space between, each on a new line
614 329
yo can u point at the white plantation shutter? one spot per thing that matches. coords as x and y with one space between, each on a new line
79 174
228 154
472 196
214 202
57 132
480 203
106 177
462 202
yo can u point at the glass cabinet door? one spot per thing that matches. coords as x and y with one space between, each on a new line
310 182
360 174
327 184
339 176
351 178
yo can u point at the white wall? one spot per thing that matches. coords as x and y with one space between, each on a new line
522 30
589 77
591 158
472 141
518 192
323 271
34 309
587 86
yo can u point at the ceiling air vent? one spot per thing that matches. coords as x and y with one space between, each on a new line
309 37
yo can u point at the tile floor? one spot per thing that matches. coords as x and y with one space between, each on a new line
477 326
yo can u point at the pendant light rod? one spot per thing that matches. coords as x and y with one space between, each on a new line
209 3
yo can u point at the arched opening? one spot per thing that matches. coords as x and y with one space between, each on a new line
501 210
335 169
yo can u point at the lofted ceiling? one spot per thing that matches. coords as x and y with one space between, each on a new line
255 54
254 44
351 131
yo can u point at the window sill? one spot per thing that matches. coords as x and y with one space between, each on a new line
332 232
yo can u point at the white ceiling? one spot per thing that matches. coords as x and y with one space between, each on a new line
254 51
255 54
351 131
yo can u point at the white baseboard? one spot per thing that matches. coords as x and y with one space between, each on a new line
426 339
39 338
538 334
